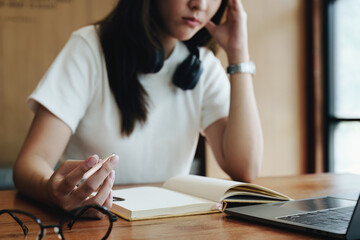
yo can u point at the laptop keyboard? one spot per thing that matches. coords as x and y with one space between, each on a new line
336 219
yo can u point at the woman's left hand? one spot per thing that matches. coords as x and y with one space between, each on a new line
232 34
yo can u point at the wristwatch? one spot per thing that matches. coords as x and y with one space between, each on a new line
244 67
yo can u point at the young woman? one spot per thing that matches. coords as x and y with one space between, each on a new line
141 84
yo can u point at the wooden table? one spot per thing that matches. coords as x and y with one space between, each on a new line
209 226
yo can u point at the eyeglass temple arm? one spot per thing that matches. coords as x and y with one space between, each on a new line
22 225
112 218
76 217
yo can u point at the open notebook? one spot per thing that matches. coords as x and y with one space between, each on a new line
188 195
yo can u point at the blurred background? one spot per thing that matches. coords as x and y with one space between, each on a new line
307 82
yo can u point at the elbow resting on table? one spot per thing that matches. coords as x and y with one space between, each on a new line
244 169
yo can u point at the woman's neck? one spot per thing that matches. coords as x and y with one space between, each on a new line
168 45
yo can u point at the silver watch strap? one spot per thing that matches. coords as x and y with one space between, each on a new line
244 67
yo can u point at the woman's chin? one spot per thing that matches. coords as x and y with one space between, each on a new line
187 37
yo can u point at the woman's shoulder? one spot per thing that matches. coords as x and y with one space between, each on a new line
87 37
207 54
208 58
86 32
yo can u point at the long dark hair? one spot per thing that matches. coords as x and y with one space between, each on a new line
129 36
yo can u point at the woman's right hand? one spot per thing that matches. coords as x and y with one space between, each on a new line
62 186
34 174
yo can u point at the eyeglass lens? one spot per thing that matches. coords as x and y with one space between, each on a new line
11 229
83 226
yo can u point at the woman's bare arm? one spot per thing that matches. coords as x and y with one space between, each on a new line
34 173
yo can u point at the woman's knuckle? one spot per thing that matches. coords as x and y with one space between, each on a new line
107 168
67 183
88 187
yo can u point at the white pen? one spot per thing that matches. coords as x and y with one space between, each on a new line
96 167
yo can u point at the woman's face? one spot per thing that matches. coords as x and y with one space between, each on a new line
182 19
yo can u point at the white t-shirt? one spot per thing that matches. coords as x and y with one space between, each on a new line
76 90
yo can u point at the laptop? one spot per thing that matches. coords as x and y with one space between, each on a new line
332 216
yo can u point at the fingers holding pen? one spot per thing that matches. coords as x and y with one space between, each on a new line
63 181
109 200
108 165
72 179
103 196
62 186
101 177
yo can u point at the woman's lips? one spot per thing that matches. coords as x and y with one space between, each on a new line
191 21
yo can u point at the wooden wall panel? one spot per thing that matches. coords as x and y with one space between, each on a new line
32 32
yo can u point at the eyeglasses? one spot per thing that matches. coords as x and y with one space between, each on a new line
18 224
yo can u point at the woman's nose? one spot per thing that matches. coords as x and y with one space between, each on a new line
198 4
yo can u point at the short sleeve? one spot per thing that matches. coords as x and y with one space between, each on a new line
216 95
67 87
